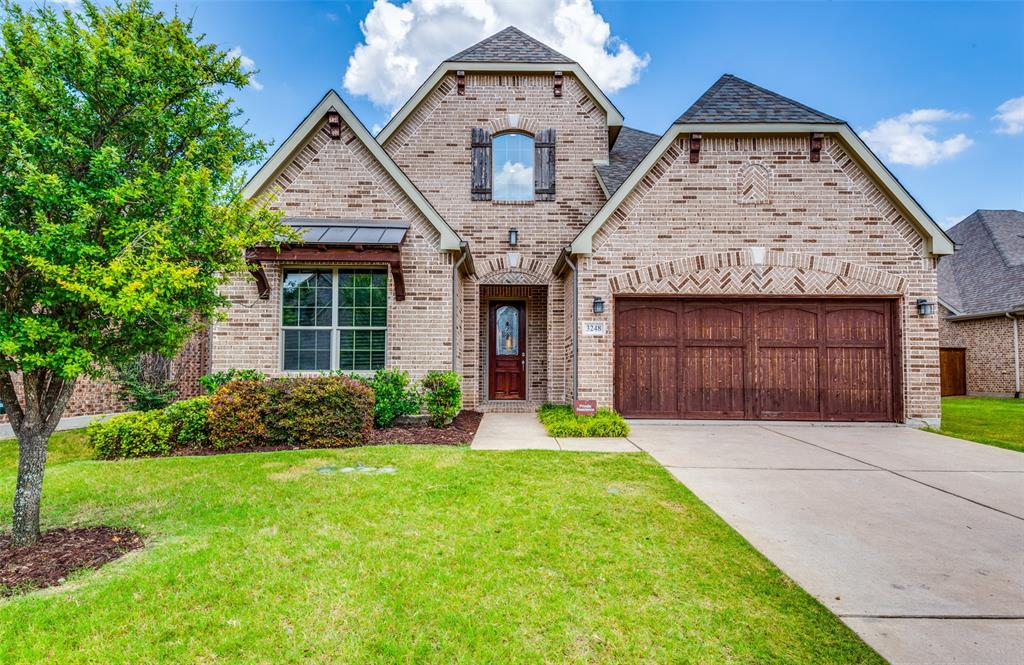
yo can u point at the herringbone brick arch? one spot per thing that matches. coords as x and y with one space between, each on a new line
738 273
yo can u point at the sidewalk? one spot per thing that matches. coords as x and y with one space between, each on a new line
522 431
71 422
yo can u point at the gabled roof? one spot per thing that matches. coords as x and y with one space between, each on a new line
986 274
509 45
497 54
938 242
732 99
450 240
630 148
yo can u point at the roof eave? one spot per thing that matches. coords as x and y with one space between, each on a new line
449 239
938 242
614 116
1017 310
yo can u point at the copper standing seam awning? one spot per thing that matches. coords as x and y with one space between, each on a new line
332 241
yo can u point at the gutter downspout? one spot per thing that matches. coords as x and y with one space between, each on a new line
1016 355
455 282
575 323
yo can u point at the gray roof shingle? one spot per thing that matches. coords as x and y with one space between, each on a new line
732 99
630 148
510 45
986 273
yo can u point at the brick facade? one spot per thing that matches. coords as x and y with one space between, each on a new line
989 351
754 217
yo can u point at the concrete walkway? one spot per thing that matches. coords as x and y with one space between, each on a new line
522 431
71 422
915 540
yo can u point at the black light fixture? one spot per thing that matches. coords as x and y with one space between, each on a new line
925 308
598 305
513 237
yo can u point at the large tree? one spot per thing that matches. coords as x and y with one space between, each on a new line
120 211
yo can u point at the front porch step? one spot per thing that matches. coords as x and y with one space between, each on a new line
508 406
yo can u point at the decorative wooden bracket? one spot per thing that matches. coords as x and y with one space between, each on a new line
334 124
558 84
257 271
325 254
816 139
694 148
460 82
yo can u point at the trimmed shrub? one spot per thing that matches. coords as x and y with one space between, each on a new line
188 420
138 434
215 380
442 397
319 412
393 396
237 415
560 421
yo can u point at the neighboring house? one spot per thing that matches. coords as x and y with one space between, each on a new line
981 303
754 261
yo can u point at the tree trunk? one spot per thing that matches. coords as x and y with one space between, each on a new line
34 418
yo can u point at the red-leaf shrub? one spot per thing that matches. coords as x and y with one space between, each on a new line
237 417
319 412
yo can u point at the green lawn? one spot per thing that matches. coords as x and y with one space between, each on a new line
458 556
65 446
992 420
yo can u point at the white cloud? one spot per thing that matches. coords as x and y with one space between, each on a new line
248 64
1010 115
908 138
403 43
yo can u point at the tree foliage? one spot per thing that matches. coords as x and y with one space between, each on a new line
120 205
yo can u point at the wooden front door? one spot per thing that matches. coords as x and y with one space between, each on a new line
953 371
796 359
506 358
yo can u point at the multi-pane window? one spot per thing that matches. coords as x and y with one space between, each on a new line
334 319
513 167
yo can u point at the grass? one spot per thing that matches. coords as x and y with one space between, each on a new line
991 420
459 556
561 421
65 446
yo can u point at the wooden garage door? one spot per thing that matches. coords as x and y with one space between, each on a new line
764 359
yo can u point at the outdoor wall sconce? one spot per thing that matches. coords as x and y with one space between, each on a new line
598 305
925 308
513 237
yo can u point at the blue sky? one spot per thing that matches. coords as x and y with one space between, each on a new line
868 63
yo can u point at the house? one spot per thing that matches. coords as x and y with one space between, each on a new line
754 261
981 303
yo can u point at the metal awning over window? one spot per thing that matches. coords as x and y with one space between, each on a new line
327 240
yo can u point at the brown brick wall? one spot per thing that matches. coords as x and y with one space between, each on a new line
989 355
341 179
825 229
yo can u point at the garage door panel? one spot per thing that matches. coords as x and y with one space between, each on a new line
712 382
773 359
787 383
648 381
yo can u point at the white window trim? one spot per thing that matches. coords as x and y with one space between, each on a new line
334 328
533 166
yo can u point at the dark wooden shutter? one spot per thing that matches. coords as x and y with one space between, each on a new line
480 184
544 165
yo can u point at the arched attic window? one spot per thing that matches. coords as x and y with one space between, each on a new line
513 167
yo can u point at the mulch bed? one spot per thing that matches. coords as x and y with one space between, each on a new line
59 552
462 430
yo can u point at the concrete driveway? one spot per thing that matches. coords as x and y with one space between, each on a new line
915 540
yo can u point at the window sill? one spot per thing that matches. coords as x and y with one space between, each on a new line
513 203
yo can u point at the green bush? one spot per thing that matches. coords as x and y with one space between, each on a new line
560 421
215 380
142 382
189 422
138 434
393 396
319 412
237 414
442 396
